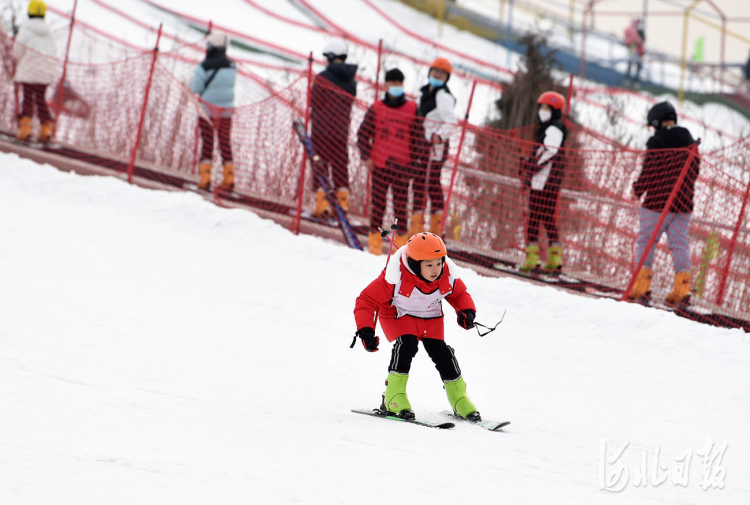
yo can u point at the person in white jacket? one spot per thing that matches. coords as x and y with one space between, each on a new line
36 68
436 106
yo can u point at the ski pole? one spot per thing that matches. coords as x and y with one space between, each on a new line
489 330
383 234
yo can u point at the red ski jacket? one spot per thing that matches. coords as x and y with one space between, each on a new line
406 304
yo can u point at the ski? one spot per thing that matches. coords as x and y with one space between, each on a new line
346 228
486 424
381 415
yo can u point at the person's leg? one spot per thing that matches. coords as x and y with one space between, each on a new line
455 387
532 231
207 152
395 399
678 235
549 219
378 195
400 187
225 146
648 222
435 190
27 112
320 170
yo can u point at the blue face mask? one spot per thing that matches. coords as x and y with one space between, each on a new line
435 83
396 91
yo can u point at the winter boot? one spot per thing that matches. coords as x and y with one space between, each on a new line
642 286
24 128
401 239
436 222
396 402
417 223
375 243
322 206
343 197
227 184
681 291
531 262
554 259
45 131
204 174
460 403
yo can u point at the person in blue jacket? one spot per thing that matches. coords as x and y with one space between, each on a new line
213 82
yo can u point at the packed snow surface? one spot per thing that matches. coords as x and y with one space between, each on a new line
157 349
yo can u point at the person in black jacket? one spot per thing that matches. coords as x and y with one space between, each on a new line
747 71
542 174
332 97
665 159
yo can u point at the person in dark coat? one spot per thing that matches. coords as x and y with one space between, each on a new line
665 159
542 175
332 97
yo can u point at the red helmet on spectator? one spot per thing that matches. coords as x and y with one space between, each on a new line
553 99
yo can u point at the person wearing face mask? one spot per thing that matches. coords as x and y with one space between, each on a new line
666 155
436 106
542 174
386 140
331 100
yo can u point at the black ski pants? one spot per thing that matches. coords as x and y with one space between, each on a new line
405 348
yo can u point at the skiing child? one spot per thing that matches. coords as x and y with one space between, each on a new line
662 166
543 174
408 297
436 106
386 140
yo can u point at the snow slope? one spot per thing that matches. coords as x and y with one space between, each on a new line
157 349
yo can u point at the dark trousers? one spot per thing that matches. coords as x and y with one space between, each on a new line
427 185
542 208
223 129
334 156
405 348
397 179
33 94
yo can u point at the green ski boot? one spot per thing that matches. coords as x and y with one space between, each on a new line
532 258
460 403
554 259
396 402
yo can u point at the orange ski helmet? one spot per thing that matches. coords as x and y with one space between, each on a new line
425 246
553 99
442 64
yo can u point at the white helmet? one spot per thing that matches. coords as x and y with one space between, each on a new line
217 38
335 48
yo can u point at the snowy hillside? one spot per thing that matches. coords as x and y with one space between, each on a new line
157 349
715 123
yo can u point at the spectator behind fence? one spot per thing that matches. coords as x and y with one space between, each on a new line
386 140
34 52
747 73
436 106
331 112
214 81
662 166
542 174
635 39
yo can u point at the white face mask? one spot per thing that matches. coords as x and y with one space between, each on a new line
545 115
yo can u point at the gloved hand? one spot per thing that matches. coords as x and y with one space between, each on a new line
369 340
466 319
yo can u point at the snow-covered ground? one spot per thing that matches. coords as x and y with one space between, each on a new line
157 349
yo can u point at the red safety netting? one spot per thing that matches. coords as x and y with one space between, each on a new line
471 186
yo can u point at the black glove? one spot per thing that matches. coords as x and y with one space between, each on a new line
369 340
466 319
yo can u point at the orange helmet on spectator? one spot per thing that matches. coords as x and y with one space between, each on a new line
553 99
444 65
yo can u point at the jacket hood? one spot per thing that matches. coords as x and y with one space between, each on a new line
343 71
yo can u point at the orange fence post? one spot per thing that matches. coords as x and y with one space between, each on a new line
662 217
131 165
303 165
60 90
464 123
737 226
